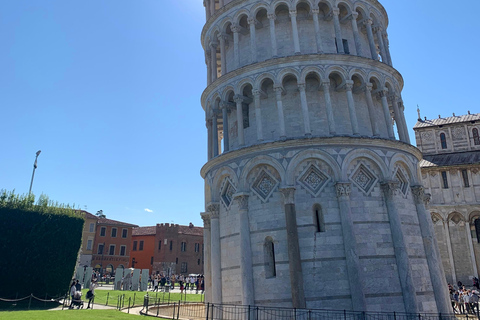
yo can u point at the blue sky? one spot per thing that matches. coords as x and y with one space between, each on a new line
110 92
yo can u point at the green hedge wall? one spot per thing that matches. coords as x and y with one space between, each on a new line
38 248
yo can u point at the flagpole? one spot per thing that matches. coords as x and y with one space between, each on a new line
33 173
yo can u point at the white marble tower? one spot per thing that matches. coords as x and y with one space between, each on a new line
312 199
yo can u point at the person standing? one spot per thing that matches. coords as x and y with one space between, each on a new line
72 293
91 293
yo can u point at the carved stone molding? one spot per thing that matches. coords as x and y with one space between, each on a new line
214 210
242 200
206 220
390 188
343 189
418 194
288 194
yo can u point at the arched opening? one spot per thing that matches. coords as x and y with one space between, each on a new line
443 140
244 40
476 137
247 92
285 36
109 269
305 26
269 253
344 12
263 33
229 61
318 218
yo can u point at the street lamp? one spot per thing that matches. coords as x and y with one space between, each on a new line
33 174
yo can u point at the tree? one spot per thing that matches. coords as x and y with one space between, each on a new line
100 214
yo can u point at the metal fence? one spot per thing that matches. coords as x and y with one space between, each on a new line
209 311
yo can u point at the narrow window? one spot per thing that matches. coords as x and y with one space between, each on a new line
476 138
124 233
466 183
246 115
198 261
92 227
184 267
159 245
345 46
89 244
183 247
140 247
197 247
103 231
171 245
114 232
477 229
151 260
318 219
445 180
269 252
443 141
111 251
123 249
176 260
134 246
100 248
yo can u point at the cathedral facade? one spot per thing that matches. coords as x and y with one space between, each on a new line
451 174
313 197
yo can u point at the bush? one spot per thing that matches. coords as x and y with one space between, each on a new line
39 244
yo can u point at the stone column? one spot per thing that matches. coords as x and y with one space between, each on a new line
246 267
223 54
212 7
207 257
404 122
306 116
450 253
390 190
253 41
470 247
371 109
207 8
215 264
209 138
296 42
273 38
338 30
215 133
226 138
281 119
328 107
294 259
356 34
258 114
316 24
236 50
213 60
386 112
209 70
351 107
387 48
378 31
398 118
220 3
371 40
355 276
434 260
241 137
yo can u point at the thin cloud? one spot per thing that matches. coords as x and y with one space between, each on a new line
148 210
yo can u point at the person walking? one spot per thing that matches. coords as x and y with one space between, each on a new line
72 293
91 293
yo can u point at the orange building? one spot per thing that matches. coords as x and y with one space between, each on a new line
143 246
112 245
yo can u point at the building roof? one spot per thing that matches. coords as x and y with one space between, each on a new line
144 231
196 231
450 159
445 121
87 215
114 223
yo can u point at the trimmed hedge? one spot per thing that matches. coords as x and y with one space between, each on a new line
39 245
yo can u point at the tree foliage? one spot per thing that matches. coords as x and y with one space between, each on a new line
39 244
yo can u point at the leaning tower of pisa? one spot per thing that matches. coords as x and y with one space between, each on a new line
312 192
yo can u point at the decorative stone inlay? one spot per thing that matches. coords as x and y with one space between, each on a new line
458 133
456 218
364 179
227 193
435 218
427 136
264 185
313 180
403 182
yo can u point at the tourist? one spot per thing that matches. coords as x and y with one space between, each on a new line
91 293
78 286
155 284
72 293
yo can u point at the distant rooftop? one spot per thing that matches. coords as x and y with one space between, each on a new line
144 231
450 159
114 223
444 121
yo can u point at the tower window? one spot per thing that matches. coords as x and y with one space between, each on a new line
269 251
345 46
476 138
159 245
246 115
445 180
318 219
443 140
466 183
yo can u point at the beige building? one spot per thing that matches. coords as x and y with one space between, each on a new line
88 237
451 174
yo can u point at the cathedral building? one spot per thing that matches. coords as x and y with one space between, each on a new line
451 174
313 198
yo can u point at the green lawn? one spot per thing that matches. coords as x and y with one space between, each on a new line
136 298
67 315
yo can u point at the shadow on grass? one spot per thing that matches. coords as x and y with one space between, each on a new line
28 304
